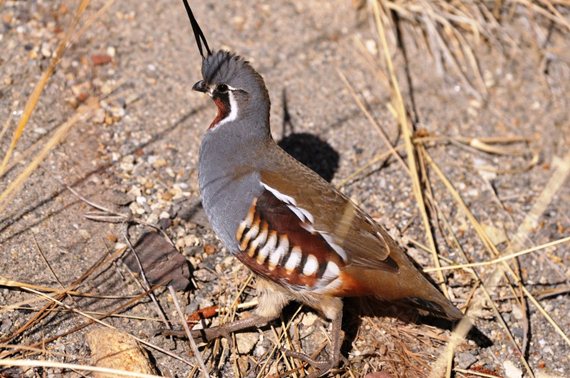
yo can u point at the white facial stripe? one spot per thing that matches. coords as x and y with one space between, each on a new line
294 259
311 266
233 110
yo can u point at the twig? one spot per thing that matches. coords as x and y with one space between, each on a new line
502 258
98 321
476 373
191 341
61 365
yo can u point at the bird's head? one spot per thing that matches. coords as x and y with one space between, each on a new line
234 86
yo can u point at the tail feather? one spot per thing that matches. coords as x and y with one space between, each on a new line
442 308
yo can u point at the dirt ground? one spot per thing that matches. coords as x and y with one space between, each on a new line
137 154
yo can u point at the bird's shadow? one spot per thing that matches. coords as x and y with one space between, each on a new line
307 148
357 308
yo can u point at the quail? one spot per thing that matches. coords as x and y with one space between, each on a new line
304 239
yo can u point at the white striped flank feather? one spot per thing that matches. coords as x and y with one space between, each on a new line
276 254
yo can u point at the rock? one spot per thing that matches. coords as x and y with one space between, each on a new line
243 363
101 59
511 371
161 262
309 319
517 312
117 350
246 341
465 360
378 375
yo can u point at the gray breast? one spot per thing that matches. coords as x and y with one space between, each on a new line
227 187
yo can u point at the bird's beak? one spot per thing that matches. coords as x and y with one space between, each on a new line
200 86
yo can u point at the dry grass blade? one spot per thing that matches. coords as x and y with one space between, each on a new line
551 13
552 187
197 354
490 246
94 313
18 284
38 89
371 119
443 363
451 30
61 365
45 310
278 344
39 351
81 115
502 258
98 321
378 158
475 373
398 102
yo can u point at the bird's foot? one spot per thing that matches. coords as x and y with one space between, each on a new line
200 335
209 334
321 367
225 330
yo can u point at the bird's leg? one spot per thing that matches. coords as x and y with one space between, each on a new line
271 300
324 366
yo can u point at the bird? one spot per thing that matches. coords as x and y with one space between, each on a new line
304 239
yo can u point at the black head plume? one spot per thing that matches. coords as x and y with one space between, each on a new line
200 39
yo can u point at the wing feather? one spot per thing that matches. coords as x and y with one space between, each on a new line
347 229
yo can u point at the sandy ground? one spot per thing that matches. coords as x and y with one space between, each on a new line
138 154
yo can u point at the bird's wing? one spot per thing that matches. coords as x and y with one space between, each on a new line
372 263
324 211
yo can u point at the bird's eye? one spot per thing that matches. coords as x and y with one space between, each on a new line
222 88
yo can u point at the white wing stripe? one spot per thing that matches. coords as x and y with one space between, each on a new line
297 212
283 197
307 214
337 248
307 219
